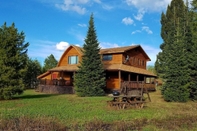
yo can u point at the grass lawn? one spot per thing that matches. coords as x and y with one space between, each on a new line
69 112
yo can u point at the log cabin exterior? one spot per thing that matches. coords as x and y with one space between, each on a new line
120 64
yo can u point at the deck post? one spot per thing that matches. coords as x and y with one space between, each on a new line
73 75
137 77
129 77
119 78
51 76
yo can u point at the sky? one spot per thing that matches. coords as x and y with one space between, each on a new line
50 26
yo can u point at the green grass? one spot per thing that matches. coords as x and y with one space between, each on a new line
70 110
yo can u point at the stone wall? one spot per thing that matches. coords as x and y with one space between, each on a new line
54 89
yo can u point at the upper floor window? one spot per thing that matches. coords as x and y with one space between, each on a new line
143 63
107 57
72 59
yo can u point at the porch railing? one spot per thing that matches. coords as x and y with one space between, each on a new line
55 82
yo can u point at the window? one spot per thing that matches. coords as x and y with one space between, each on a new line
107 57
72 59
143 62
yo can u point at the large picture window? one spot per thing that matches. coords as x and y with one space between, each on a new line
107 57
72 59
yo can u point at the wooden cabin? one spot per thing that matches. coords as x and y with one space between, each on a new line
120 64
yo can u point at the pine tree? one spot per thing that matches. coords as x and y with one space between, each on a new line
50 62
13 60
33 69
172 62
193 57
90 78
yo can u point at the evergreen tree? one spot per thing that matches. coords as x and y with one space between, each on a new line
33 69
172 62
13 59
50 62
193 62
90 78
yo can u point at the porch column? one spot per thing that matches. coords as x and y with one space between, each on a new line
61 74
137 77
51 75
74 75
129 77
119 78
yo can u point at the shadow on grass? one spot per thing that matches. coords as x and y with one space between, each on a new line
36 96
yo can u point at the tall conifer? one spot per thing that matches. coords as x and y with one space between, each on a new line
13 60
193 57
172 62
90 78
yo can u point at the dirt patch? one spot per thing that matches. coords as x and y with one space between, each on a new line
28 124
44 124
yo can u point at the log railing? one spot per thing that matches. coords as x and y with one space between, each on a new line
55 82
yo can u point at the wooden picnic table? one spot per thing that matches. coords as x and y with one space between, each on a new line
125 101
131 95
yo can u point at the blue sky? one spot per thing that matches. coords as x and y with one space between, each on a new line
51 26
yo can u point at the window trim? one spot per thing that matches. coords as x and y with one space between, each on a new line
74 61
107 57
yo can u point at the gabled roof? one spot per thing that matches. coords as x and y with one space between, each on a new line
122 50
117 49
77 48
43 75
110 50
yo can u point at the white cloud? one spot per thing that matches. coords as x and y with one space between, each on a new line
144 28
62 45
82 25
151 52
104 6
107 7
41 49
71 5
147 29
78 45
150 5
140 14
137 31
127 21
104 45
80 6
97 1
80 1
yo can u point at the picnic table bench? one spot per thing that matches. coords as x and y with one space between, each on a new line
131 95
